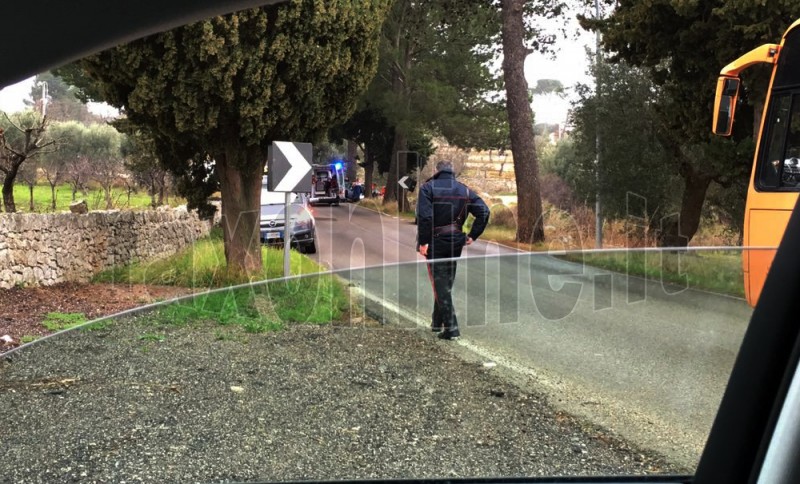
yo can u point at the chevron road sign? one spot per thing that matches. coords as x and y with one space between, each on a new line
289 167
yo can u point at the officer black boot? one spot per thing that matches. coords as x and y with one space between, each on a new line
449 333
447 316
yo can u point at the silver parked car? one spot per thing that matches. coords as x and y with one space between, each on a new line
303 225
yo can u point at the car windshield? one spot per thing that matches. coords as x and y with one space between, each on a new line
494 268
277 198
277 209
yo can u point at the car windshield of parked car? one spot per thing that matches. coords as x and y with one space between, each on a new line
278 198
272 210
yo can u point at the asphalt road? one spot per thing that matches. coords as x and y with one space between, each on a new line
647 360
351 236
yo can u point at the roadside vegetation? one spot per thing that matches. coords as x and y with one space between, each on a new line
59 321
716 271
256 308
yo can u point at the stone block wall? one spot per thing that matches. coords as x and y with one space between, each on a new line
46 249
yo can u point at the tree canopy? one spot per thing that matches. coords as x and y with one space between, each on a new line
682 46
223 89
434 78
636 176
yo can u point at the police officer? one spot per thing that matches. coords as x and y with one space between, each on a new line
442 209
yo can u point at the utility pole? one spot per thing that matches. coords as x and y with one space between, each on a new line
44 98
598 221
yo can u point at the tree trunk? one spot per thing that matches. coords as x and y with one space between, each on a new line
162 187
678 233
530 226
369 169
8 192
397 169
109 201
352 167
30 204
400 89
53 196
394 168
240 183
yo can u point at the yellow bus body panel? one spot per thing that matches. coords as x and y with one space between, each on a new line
766 213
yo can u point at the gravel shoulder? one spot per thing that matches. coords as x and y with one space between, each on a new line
137 402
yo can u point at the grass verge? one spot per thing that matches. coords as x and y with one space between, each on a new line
718 271
202 266
265 307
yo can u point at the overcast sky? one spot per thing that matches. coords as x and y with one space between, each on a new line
569 65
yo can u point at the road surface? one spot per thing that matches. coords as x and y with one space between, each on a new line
647 360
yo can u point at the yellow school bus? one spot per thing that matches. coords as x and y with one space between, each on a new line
775 178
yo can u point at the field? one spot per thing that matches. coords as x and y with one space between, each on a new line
95 198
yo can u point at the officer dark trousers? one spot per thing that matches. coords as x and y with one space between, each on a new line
442 274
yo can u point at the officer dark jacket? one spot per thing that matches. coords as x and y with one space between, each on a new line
442 209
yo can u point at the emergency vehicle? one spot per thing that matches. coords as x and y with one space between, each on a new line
327 184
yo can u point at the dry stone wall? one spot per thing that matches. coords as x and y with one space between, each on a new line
46 249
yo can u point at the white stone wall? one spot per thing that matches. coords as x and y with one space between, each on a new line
46 249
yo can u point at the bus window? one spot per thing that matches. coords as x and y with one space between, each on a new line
790 178
780 168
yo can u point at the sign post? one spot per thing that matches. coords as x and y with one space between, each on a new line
288 171
287 236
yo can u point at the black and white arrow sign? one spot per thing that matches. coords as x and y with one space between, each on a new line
289 167
402 182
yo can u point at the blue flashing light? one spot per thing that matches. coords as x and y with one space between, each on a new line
338 165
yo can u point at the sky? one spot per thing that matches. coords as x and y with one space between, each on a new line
569 65
12 99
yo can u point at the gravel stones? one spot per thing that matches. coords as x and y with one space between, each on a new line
316 402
